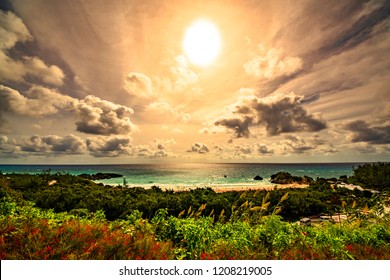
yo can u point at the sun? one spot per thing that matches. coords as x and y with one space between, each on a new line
202 42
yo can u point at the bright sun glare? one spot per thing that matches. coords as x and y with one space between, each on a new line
202 42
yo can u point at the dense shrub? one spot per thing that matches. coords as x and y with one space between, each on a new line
72 192
27 232
373 175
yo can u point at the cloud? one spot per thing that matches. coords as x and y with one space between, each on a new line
263 149
12 31
184 76
114 146
339 85
39 102
198 148
146 151
100 146
162 144
330 150
270 64
242 151
361 27
3 139
4 127
239 125
49 74
101 117
345 63
95 115
139 84
362 132
277 113
364 148
296 145
52 144
66 144
7 147
161 111
159 154
160 98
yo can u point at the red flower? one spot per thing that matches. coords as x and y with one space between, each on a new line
205 256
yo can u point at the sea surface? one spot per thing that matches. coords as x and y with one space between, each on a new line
191 175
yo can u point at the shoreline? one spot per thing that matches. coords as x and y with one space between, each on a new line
223 187
260 187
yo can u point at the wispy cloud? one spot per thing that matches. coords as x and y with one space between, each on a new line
270 64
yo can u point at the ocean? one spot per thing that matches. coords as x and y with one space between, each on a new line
191 175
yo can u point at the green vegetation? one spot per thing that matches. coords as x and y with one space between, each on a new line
374 176
60 216
286 178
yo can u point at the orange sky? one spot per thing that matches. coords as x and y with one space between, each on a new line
298 81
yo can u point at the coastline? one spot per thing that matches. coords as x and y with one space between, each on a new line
260 187
220 188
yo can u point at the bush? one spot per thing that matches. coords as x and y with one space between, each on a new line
373 175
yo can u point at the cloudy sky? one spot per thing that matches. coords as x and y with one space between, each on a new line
85 81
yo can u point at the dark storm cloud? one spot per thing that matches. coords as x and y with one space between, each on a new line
362 132
278 114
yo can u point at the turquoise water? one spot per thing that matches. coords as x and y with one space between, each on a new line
191 174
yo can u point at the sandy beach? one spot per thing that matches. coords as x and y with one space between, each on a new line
258 187
235 187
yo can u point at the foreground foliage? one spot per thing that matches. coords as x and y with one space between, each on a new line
26 232
59 216
29 233
67 193
372 175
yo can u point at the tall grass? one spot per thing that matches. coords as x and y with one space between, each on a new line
27 232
